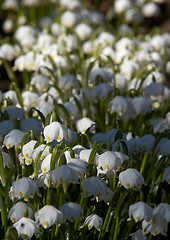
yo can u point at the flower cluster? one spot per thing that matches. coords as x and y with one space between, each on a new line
84 125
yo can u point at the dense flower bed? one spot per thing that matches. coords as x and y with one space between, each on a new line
85 142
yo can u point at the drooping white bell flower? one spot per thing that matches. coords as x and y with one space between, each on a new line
26 228
94 186
121 6
83 31
55 131
7 52
159 224
27 151
5 127
40 82
18 210
78 165
141 104
146 143
162 211
155 227
85 154
108 160
31 124
93 220
64 174
23 188
49 215
131 178
71 211
45 165
14 138
43 150
68 19
150 10
85 123
140 211
15 112
139 235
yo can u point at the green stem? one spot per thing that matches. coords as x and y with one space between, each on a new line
116 228
144 163
4 213
10 73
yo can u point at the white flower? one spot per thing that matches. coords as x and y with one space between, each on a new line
83 31
7 52
40 82
78 165
121 6
45 166
18 211
23 188
83 124
55 131
141 104
93 220
26 228
139 235
108 160
49 215
14 138
71 211
94 186
14 112
140 211
31 124
151 9
68 19
131 178
64 174
162 212
27 151
147 142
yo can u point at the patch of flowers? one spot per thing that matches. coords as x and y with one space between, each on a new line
84 126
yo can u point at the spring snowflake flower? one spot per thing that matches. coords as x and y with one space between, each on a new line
68 19
26 228
27 151
45 165
93 220
5 127
7 52
14 112
78 165
49 215
159 223
42 151
14 138
31 124
94 186
131 178
84 124
71 211
18 211
139 235
140 211
23 188
55 131
61 175
108 160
